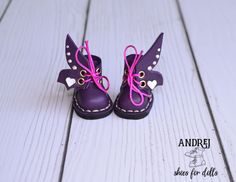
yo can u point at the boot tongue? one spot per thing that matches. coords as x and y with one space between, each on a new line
96 61
97 64
83 59
130 59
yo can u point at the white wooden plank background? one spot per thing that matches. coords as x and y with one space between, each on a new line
34 108
212 30
114 149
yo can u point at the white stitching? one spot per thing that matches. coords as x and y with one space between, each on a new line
122 109
133 110
95 110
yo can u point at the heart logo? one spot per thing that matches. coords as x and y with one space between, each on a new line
152 84
70 81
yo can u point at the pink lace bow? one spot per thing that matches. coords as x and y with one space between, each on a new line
131 77
91 72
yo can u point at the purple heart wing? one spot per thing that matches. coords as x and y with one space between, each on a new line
69 78
70 50
149 61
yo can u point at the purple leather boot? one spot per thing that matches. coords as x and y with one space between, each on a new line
90 100
135 98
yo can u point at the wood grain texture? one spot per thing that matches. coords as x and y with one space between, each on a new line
119 150
212 30
3 5
34 108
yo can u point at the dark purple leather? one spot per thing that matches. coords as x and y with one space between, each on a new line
92 98
88 97
152 78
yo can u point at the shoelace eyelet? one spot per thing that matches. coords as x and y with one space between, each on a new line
132 82
98 70
81 81
82 73
90 70
143 84
141 74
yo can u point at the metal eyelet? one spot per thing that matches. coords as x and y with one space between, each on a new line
143 84
98 70
80 81
82 73
141 74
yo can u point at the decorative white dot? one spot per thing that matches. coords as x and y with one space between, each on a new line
74 67
149 68
154 63
67 46
68 53
159 49
69 61
157 56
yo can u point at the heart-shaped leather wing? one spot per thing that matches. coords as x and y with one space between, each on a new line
70 50
69 78
149 61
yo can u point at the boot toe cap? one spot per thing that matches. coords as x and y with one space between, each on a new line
123 101
98 101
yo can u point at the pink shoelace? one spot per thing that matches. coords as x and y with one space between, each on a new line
91 73
131 77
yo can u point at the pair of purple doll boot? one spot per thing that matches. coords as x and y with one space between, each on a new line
91 100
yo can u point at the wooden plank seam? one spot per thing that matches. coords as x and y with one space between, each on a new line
5 10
